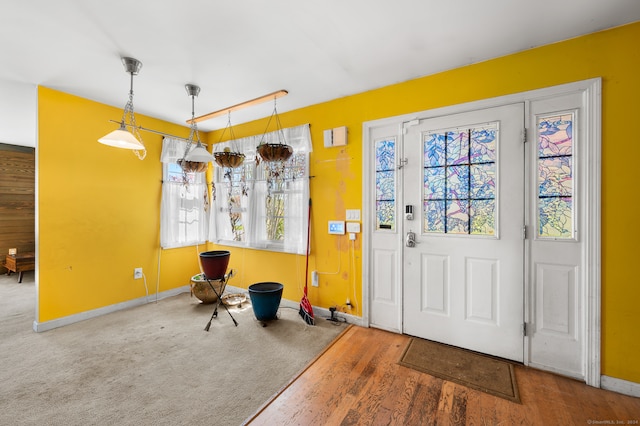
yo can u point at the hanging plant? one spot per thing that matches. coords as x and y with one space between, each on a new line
229 159
272 152
278 151
230 156
192 166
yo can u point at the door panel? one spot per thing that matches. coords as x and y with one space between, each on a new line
463 279
386 249
482 291
556 243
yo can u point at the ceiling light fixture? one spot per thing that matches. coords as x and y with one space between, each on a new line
123 138
196 158
256 101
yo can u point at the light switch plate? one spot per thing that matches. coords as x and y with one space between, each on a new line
353 214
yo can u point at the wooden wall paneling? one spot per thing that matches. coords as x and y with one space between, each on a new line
17 199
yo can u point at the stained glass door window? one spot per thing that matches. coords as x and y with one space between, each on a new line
459 195
385 151
555 175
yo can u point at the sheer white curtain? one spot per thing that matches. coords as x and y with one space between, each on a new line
254 214
184 218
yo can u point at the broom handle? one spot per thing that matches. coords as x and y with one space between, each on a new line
306 272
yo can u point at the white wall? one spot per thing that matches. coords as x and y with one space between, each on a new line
18 113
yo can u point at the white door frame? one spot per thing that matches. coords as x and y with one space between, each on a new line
591 257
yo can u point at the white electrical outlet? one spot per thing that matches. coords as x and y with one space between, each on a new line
353 227
137 273
314 278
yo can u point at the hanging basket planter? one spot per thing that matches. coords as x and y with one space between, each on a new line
192 166
270 152
229 159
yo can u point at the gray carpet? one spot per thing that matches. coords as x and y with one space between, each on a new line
153 364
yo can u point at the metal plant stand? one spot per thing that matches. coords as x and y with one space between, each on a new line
224 280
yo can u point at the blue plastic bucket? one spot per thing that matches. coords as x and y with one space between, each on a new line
265 299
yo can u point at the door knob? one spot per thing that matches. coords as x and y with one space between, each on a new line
410 240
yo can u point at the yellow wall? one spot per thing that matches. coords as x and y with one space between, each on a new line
83 232
98 210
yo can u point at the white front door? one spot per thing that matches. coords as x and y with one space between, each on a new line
463 179
462 283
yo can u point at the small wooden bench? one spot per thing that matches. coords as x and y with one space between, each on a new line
19 263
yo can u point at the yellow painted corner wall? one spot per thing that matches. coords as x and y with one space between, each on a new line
99 206
335 187
98 211
337 183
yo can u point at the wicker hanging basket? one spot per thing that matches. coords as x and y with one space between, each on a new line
192 166
274 152
229 159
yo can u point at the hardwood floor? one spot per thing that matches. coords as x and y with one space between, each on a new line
357 381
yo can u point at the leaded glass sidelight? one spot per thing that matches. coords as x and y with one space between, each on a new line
555 175
385 150
459 191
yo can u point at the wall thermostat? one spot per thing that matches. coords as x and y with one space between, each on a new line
336 227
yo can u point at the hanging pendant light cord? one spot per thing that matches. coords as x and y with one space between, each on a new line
128 111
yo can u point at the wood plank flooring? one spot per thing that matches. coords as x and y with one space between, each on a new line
357 381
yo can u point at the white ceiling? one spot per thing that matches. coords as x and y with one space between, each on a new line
237 50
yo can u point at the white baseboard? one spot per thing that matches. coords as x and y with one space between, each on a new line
620 386
59 322
318 312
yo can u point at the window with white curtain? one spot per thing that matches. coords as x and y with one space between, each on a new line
248 211
184 212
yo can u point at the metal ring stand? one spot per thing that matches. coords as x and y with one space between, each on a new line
224 280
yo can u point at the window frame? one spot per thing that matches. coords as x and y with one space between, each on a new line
256 184
196 183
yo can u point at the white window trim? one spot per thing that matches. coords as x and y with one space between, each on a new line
173 150
299 138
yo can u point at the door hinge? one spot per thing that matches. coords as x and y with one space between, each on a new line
524 135
524 232
524 329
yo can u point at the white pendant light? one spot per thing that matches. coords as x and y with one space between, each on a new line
196 155
123 138
199 154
